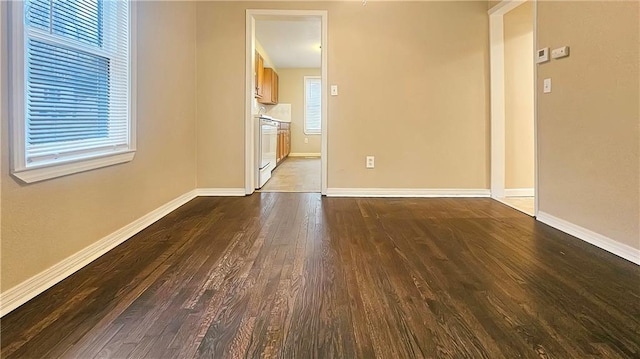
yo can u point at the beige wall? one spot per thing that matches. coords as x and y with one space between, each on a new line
413 93
220 49
45 222
518 82
588 127
291 91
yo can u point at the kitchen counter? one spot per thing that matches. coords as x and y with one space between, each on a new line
271 118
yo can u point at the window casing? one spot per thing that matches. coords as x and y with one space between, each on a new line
73 92
312 105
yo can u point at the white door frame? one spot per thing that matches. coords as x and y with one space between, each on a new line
2 79
496 43
249 154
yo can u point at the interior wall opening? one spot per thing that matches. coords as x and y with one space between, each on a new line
287 99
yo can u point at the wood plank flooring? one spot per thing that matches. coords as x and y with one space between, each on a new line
292 275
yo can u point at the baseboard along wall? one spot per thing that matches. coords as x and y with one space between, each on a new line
406 192
621 250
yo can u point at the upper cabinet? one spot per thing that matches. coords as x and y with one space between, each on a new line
269 87
259 76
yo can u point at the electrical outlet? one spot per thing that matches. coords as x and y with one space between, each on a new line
306 140
371 162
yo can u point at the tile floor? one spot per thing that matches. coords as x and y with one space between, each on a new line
295 174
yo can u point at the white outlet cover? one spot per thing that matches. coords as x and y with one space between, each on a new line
370 162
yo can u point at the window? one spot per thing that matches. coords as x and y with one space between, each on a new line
312 105
72 86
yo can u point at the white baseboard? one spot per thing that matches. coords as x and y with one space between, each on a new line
406 192
23 292
610 245
304 154
519 192
220 192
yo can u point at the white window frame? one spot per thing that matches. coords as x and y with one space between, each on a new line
307 132
82 163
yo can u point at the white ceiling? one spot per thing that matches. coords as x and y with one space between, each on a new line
291 43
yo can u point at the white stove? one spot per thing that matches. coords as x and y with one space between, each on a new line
266 145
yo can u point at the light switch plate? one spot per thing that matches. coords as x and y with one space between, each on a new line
546 85
334 90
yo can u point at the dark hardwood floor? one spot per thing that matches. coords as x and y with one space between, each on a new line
295 275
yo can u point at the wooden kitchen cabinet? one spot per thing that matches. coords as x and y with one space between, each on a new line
284 141
259 76
287 140
270 87
280 154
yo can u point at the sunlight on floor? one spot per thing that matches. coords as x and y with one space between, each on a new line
522 204
295 174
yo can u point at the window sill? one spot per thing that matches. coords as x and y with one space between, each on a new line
31 175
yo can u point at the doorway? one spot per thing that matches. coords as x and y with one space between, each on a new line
513 99
286 49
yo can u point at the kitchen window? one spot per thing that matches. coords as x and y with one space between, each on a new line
312 105
73 94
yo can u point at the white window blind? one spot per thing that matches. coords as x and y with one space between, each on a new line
312 105
76 81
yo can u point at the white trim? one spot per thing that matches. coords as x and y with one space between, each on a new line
496 43
133 76
3 30
23 292
220 192
406 192
31 175
496 33
324 173
608 244
536 165
16 83
304 154
251 14
250 175
505 6
519 192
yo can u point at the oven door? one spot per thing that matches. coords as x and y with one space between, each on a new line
269 134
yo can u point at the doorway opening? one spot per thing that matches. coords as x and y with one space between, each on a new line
286 101
513 100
